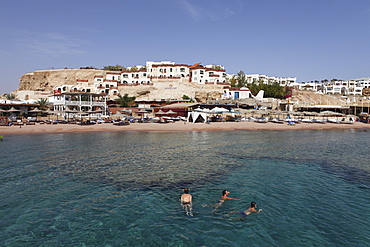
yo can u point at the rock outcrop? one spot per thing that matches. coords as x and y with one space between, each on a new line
46 80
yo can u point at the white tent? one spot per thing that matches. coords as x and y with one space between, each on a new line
197 117
219 110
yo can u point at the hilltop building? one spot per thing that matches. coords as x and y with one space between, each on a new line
156 81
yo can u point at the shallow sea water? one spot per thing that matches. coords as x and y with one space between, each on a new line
123 189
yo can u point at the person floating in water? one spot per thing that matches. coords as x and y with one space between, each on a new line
187 201
224 197
251 209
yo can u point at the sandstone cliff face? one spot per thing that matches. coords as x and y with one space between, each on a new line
46 80
203 96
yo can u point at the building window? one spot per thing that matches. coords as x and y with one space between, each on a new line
201 72
182 69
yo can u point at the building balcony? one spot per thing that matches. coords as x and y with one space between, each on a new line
79 103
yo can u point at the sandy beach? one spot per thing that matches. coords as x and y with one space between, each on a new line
174 127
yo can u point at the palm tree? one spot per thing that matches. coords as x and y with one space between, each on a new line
43 103
125 100
10 96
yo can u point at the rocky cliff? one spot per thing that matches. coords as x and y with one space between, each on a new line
46 80
39 84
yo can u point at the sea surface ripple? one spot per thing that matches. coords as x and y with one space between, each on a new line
123 189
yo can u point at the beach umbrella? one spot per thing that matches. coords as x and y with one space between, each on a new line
160 112
142 111
171 112
126 110
118 115
36 110
14 110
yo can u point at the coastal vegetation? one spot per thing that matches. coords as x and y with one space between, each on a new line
185 97
10 96
125 100
43 104
272 90
114 68
121 68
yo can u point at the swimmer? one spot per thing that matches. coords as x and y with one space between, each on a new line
251 209
186 202
223 198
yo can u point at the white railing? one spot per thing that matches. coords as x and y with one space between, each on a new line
78 103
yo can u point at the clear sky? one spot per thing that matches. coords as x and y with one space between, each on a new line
307 39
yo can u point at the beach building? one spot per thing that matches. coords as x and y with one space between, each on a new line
79 103
232 93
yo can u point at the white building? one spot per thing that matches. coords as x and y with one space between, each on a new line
364 82
232 93
283 81
78 103
111 83
342 87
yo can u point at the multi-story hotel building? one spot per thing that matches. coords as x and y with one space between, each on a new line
114 82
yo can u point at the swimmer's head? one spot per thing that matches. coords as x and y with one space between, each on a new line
253 205
225 192
186 191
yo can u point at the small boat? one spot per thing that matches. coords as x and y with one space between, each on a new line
121 123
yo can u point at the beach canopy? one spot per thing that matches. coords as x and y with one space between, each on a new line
194 117
142 110
36 110
160 112
171 112
331 113
13 110
219 110
202 110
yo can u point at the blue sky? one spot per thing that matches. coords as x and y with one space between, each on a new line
307 39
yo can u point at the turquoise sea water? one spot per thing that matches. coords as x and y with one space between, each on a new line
123 189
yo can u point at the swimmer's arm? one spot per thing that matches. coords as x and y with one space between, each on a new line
259 211
233 198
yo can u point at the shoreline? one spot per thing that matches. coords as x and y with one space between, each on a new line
173 127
